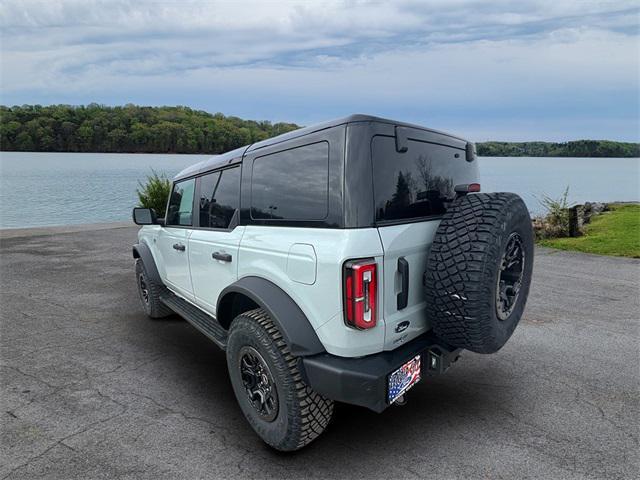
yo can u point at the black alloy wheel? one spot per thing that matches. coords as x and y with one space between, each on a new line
510 276
258 383
144 290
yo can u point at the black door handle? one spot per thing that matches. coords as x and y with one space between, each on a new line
179 247
403 296
223 257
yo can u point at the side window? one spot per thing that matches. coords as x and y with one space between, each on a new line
219 198
291 185
181 204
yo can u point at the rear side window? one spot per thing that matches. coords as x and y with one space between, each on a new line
219 198
180 208
417 183
291 185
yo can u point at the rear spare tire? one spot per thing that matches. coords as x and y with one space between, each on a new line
479 271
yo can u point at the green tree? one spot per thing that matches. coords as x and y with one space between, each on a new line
154 193
132 128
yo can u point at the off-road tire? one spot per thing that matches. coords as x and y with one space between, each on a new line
463 268
152 306
302 414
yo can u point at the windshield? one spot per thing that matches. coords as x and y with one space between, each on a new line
419 182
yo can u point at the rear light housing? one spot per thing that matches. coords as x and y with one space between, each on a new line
465 188
360 286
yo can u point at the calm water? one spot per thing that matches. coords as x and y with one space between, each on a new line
38 189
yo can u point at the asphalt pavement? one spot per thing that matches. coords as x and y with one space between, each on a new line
91 388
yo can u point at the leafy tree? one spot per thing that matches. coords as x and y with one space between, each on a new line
137 129
402 196
154 193
131 128
578 148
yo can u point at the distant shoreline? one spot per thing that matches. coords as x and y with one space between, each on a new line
211 154
131 129
572 149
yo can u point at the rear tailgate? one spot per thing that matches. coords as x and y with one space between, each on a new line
412 191
399 243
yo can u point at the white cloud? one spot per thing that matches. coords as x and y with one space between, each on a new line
408 56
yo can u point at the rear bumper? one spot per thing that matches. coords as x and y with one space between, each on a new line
363 381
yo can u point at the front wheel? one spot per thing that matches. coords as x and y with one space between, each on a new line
149 293
285 412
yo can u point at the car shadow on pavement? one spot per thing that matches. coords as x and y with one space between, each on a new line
436 407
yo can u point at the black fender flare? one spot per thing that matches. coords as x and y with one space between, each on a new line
295 327
143 252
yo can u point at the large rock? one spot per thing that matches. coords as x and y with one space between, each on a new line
589 209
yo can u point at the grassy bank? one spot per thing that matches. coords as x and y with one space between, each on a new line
616 232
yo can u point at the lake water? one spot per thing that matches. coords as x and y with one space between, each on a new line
39 189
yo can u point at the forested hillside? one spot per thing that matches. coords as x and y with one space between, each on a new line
135 129
578 148
97 128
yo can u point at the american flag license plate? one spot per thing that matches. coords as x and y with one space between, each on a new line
403 379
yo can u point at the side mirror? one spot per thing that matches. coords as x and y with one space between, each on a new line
146 216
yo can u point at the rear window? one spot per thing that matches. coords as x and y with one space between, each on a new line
417 183
291 185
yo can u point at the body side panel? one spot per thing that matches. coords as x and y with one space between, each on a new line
148 236
208 275
177 274
296 330
264 252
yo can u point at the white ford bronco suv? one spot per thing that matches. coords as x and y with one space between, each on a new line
342 262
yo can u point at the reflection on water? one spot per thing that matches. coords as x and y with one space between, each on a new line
66 188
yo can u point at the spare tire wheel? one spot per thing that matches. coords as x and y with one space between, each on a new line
479 271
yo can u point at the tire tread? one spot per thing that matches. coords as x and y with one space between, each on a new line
157 309
315 411
461 269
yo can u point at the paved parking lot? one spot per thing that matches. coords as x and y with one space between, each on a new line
93 389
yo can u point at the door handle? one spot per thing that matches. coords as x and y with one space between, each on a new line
180 247
223 257
403 296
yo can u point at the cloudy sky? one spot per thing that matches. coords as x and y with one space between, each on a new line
505 70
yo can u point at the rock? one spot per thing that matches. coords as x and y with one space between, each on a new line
577 216
589 209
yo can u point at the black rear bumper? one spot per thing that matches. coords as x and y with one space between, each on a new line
363 381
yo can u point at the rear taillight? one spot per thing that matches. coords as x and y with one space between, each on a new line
465 188
360 292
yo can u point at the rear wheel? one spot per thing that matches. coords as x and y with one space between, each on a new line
285 412
479 271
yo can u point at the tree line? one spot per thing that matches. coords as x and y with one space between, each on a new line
577 148
127 129
136 129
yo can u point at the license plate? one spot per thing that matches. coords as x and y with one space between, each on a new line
403 379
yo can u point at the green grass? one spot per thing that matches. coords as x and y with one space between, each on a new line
616 232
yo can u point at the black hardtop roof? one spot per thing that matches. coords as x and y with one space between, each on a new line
217 161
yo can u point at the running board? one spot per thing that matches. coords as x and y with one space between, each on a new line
196 317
